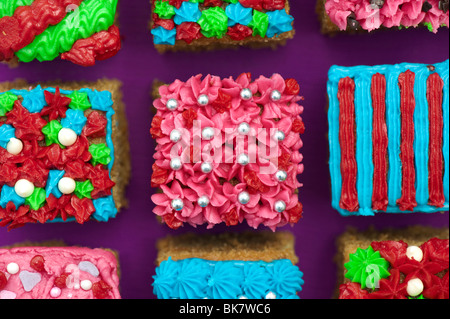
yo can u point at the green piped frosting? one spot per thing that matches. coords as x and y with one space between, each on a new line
80 101
101 154
7 102
367 267
214 22
164 10
260 23
51 131
84 189
8 7
37 199
92 16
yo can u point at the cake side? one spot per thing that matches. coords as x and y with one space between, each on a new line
49 272
40 30
98 161
211 25
398 255
228 151
388 138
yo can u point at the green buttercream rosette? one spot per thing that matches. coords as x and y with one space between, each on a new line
51 131
213 22
101 154
80 101
84 189
164 10
7 102
367 267
259 23
37 199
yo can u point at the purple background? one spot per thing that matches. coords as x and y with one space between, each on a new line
306 58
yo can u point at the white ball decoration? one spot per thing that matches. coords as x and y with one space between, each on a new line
175 164
280 136
177 204
14 146
55 292
203 99
271 295
67 185
243 159
206 167
244 128
12 268
275 95
175 136
203 201
24 188
86 284
246 94
281 175
67 136
280 206
244 198
172 104
414 287
208 133
414 252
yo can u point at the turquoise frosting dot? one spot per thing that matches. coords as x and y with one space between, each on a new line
51 187
188 12
7 132
8 194
279 22
238 14
104 208
34 100
100 100
74 120
164 36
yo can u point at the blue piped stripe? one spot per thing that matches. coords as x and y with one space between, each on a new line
443 71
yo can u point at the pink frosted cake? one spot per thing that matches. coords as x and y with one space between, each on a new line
369 15
58 273
228 151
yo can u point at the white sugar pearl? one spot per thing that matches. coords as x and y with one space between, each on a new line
244 128
67 136
24 188
271 295
172 104
67 185
244 198
175 163
86 284
12 268
208 133
206 167
55 292
203 99
243 159
280 206
414 252
177 204
203 201
280 136
281 175
414 287
243 297
246 94
14 146
175 136
275 95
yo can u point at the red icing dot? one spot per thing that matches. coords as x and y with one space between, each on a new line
188 32
295 213
176 3
61 281
3 280
101 290
172 221
254 183
292 87
189 115
38 263
352 291
213 3
255 4
223 102
155 131
231 218
298 126
274 4
95 125
239 32
284 161
159 175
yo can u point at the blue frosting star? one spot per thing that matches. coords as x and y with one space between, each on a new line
164 36
8 194
54 176
238 14
34 100
188 12
279 22
74 120
7 132
104 208
101 100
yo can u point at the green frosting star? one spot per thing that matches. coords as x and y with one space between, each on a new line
37 199
420 297
367 267
84 189
7 102
259 23
100 154
214 22
79 101
164 10
51 131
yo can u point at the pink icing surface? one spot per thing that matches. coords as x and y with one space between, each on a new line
189 183
58 260
394 13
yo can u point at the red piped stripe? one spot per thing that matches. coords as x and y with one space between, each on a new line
407 106
380 143
435 87
29 21
347 139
